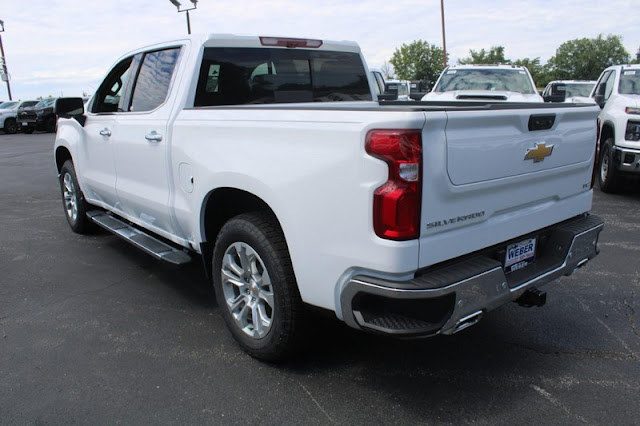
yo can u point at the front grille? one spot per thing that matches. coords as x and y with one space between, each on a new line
26 115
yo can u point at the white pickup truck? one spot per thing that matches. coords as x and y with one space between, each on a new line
498 83
617 92
269 159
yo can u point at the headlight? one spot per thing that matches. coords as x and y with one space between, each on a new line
633 131
632 110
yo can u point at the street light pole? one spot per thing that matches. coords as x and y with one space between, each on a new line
444 42
3 72
178 5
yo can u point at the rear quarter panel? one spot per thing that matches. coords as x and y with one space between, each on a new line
311 168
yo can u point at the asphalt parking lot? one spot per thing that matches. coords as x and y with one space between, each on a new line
93 332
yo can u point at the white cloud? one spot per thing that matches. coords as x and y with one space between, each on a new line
68 45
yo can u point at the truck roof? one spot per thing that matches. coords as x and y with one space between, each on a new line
233 40
488 66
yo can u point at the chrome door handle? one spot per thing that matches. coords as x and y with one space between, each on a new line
153 136
105 132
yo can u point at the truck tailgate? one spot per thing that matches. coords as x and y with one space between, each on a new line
491 176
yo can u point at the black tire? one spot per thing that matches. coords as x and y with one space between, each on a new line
608 176
261 233
79 222
28 130
51 124
10 126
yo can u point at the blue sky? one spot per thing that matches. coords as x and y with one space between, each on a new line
56 47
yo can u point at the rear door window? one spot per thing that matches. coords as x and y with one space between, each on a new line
240 76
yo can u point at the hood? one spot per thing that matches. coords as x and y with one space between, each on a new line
3 110
29 108
482 95
629 100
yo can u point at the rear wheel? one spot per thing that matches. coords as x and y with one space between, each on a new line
10 126
608 176
255 286
75 206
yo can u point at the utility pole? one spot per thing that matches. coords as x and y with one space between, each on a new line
4 74
178 5
444 42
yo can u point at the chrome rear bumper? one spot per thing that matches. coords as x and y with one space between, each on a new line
452 297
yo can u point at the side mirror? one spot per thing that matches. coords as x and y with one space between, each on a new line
599 99
554 98
388 97
71 108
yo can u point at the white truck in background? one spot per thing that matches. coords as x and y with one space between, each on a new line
497 83
268 159
617 92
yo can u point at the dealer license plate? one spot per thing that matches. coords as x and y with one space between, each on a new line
25 124
519 255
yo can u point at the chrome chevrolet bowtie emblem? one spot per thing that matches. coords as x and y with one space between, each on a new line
539 153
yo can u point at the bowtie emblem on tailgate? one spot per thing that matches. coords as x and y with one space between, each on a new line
539 153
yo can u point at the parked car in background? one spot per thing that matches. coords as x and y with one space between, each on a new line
25 110
400 88
41 117
617 92
8 115
570 91
508 83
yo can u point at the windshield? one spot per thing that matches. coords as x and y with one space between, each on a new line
8 105
575 89
45 103
511 80
28 104
630 82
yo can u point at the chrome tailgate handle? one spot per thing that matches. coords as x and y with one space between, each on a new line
105 132
153 136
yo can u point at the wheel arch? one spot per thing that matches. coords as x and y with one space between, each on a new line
220 205
62 154
608 131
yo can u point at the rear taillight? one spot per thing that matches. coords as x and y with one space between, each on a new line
396 204
596 154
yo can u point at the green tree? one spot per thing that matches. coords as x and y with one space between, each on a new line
418 60
585 58
637 59
495 55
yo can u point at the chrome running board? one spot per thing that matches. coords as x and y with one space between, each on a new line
142 240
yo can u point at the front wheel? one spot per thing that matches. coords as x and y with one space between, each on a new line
75 206
608 176
10 126
255 286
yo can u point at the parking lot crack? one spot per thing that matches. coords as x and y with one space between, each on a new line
558 404
317 404
624 344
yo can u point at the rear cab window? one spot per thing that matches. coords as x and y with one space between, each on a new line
241 76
